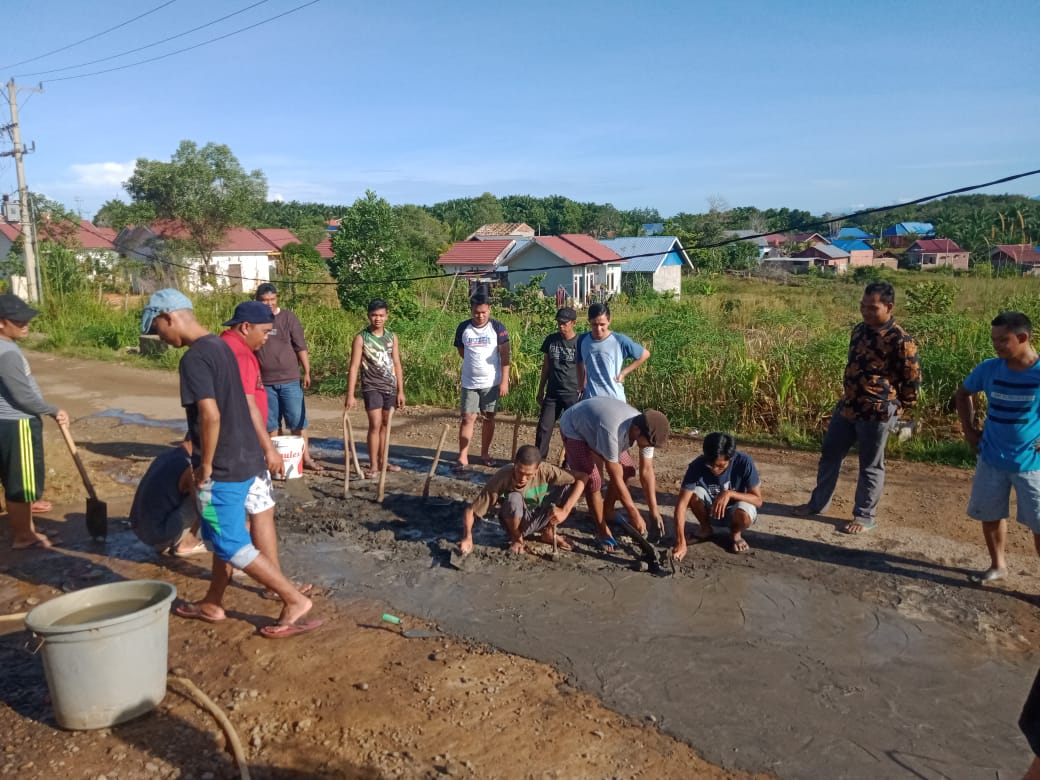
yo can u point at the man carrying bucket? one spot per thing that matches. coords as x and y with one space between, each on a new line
227 456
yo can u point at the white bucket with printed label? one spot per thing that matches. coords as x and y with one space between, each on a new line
291 450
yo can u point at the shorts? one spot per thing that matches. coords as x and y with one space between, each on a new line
532 520
260 497
285 402
377 399
21 459
991 494
167 531
750 509
222 506
581 457
483 400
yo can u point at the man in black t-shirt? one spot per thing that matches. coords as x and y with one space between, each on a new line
226 457
558 386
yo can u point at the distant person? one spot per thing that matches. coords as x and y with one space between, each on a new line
602 355
376 353
22 407
721 486
165 513
226 456
285 368
532 501
882 380
483 345
599 432
1008 446
558 384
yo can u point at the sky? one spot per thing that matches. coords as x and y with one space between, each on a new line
823 105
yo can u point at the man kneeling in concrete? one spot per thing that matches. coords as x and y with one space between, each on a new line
721 486
531 491
164 513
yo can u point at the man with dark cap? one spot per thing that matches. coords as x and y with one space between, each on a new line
21 429
558 385
598 432
226 456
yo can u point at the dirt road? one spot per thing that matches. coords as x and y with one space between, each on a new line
817 655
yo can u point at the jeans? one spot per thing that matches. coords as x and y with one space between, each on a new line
285 402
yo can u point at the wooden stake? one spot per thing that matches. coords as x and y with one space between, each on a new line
516 435
346 454
353 446
385 454
436 460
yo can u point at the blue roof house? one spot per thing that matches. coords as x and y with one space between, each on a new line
919 229
852 233
654 260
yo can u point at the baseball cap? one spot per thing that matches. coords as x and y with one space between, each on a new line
255 312
566 314
655 426
162 302
14 308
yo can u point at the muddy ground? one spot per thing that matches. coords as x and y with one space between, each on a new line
816 655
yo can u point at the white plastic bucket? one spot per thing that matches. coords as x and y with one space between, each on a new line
104 651
291 450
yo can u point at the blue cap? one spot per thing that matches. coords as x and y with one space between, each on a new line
251 311
162 302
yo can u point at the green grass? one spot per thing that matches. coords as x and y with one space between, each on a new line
761 359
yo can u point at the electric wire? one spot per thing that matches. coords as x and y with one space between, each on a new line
713 245
188 48
88 38
146 46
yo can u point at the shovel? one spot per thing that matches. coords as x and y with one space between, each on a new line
97 510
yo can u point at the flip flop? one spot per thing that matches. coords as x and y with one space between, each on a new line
191 611
304 589
286 630
198 549
489 462
39 544
863 527
607 544
41 506
392 467
459 468
990 575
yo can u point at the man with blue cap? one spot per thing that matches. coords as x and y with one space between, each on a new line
226 457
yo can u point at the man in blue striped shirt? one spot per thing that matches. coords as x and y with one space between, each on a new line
1008 446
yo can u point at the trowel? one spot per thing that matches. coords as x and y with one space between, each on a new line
411 633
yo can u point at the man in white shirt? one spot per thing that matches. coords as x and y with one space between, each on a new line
483 345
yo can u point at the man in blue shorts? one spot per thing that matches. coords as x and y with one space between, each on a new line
285 368
1008 447
602 355
720 486
483 345
21 427
226 456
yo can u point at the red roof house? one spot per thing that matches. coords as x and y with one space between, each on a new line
928 254
1025 256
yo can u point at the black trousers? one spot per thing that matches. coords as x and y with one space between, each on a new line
552 408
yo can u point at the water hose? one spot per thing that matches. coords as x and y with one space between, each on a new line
196 695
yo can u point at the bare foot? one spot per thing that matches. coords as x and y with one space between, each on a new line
738 545
517 548
293 612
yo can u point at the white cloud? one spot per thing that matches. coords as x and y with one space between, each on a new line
101 175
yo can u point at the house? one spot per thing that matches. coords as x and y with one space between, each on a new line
653 260
812 239
905 233
931 253
9 233
760 241
860 252
580 264
502 230
324 248
241 262
477 257
826 256
851 233
1025 257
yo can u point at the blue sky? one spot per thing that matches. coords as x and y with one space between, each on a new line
812 104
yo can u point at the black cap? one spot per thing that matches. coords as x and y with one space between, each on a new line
14 308
253 312
566 314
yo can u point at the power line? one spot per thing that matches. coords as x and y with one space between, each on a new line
190 48
89 38
796 226
146 46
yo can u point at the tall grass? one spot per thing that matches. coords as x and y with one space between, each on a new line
762 359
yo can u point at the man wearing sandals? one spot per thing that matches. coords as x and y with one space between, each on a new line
1008 447
530 492
882 379
720 486
226 456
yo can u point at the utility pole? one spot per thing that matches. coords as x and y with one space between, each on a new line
24 208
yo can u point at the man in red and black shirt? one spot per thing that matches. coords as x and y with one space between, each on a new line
882 378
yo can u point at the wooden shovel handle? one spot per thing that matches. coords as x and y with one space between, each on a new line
79 463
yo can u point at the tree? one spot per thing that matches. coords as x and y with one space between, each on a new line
424 238
369 260
205 190
303 276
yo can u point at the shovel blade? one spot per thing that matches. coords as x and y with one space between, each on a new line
97 518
